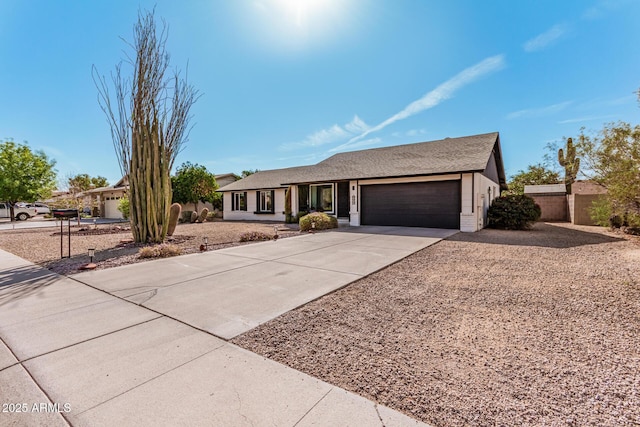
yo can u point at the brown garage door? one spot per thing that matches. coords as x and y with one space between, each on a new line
420 204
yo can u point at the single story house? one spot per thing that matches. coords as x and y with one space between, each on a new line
108 198
226 179
448 183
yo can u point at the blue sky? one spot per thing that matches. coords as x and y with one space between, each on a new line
291 82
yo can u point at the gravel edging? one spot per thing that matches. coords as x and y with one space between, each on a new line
489 328
113 246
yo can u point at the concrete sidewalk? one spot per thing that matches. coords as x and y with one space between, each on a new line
74 354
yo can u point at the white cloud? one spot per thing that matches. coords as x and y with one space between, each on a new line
545 39
585 119
327 136
538 112
356 144
441 93
602 7
415 132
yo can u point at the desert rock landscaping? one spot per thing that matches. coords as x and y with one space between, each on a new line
537 327
113 242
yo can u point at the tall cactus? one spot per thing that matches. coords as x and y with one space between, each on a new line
203 215
287 206
570 163
174 215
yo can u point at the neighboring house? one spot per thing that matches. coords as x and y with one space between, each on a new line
108 198
557 205
226 179
221 180
448 183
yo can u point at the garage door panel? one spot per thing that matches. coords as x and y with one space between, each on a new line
423 204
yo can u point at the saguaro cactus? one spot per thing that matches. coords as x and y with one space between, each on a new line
174 215
570 163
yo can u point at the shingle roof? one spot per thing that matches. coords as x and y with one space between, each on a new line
273 178
449 155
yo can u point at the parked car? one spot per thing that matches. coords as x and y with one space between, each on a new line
21 212
40 207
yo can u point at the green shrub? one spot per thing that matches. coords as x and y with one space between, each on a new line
185 216
300 215
159 251
321 220
600 212
123 206
513 212
254 236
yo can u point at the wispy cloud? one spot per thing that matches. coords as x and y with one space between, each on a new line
356 144
538 112
586 119
602 7
327 136
545 39
441 93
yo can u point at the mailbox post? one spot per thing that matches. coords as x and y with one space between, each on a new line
68 214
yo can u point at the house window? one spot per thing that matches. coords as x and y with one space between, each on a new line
321 197
265 201
239 201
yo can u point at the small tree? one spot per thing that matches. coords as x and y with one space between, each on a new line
246 173
534 175
193 183
80 183
25 175
123 207
612 159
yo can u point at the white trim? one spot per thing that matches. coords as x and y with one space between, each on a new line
449 177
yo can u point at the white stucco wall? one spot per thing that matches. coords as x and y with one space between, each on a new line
354 203
476 200
249 214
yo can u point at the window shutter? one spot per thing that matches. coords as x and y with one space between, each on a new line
244 197
273 201
233 201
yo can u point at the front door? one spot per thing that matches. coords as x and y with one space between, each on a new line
343 199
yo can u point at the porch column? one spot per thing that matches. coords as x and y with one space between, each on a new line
354 203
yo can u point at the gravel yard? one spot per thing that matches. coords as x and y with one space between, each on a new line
42 245
491 328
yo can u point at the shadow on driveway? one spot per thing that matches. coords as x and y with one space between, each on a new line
558 235
19 282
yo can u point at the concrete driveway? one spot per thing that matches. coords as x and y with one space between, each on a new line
137 346
230 291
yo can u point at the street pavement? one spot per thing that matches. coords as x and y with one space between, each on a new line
42 222
146 344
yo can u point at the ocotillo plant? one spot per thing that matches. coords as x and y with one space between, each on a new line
570 163
149 116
